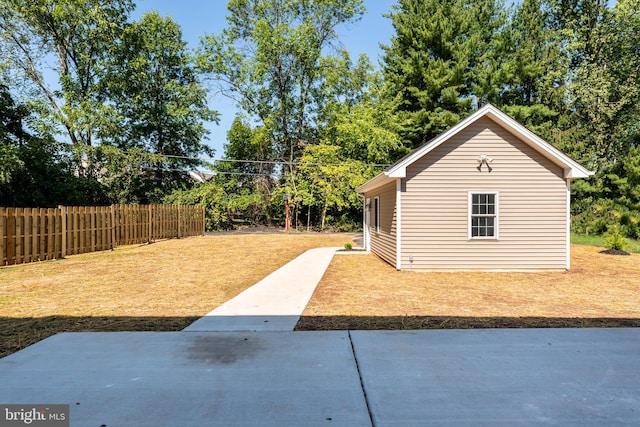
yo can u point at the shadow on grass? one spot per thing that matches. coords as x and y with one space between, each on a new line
327 323
19 333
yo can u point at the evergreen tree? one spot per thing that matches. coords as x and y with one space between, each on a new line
441 61
535 68
603 92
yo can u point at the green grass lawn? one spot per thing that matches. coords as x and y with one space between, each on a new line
595 240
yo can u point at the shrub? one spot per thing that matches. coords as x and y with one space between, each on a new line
348 246
613 239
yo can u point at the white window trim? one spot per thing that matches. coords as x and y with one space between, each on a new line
376 214
496 235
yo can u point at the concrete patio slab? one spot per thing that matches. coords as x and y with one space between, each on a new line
276 302
515 377
191 379
561 377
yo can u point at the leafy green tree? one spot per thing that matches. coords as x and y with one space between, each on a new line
47 178
12 134
241 184
247 158
128 91
212 197
158 110
35 171
268 59
610 199
271 59
80 34
152 86
9 162
356 113
368 131
331 179
245 173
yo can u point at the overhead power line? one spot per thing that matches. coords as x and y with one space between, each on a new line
273 162
262 162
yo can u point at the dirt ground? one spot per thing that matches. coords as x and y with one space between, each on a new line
364 292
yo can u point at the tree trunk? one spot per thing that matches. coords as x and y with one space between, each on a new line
324 215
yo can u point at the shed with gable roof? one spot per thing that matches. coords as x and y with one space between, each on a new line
487 194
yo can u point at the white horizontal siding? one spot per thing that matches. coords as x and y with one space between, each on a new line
532 205
383 242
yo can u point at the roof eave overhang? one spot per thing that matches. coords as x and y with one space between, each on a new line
572 173
375 182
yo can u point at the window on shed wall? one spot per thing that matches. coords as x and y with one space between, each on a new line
483 221
376 214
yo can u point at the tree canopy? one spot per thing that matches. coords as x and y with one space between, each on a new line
126 104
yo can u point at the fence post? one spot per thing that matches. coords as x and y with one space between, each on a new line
21 214
63 216
35 233
113 227
3 234
10 235
179 221
204 220
150 218
58 239
42 232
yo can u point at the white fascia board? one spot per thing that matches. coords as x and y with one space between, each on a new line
398 173
373 183
575 173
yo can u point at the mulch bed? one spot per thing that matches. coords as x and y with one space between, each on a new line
325 323
615 252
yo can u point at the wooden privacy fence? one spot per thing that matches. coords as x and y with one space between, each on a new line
38 234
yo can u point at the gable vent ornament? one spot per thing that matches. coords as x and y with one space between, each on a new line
484 160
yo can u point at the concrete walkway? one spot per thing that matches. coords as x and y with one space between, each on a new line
273 304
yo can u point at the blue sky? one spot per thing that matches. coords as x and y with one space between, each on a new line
200 17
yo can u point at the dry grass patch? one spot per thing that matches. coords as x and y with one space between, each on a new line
363 292
162 286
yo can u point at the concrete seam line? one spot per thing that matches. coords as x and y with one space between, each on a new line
364 391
